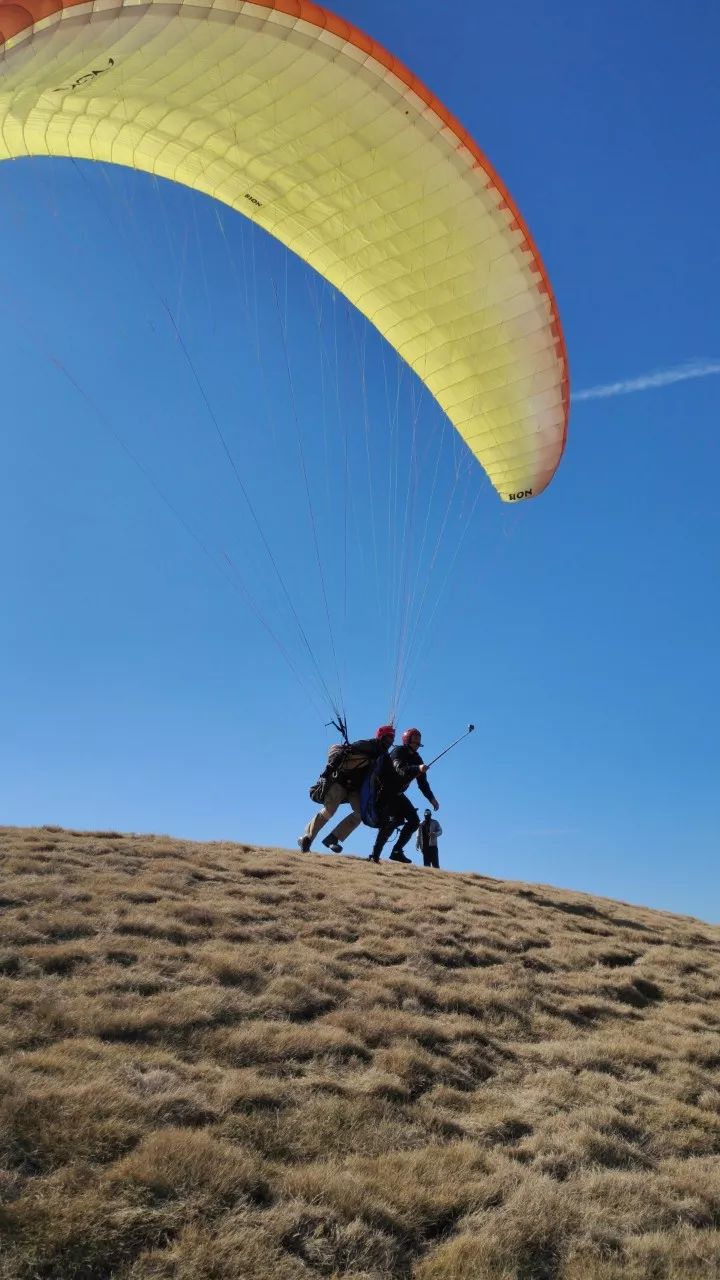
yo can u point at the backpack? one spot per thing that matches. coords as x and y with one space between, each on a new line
337 755
344 765
318 790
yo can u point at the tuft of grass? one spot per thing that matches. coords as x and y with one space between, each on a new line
196 1167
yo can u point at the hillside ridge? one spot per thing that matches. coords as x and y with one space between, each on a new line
243 1063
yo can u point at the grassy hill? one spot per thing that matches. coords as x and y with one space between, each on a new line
226 1063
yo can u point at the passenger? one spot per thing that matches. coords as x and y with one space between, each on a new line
403 766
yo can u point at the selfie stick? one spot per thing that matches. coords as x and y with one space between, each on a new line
470 729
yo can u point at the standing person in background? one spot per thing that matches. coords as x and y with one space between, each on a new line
427 839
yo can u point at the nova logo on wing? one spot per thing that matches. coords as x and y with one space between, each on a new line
87 78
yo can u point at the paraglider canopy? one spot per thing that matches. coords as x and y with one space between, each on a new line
315 132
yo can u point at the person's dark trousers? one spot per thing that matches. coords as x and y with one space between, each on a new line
412 822
402 812
430 857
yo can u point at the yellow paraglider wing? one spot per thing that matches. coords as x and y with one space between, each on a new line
315 132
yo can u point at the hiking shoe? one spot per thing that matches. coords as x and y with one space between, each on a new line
332 844
373 857
304 844
397 855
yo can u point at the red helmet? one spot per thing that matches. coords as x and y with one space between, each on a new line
409 733
386 731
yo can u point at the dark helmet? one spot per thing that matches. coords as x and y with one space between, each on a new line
427 813
386 731
409 733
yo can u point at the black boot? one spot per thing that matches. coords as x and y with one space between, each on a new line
304 843
397 855
332 843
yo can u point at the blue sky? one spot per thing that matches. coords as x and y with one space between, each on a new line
580 631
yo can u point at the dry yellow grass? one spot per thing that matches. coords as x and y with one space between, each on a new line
227 1063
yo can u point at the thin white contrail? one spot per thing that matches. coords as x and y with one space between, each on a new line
663 378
